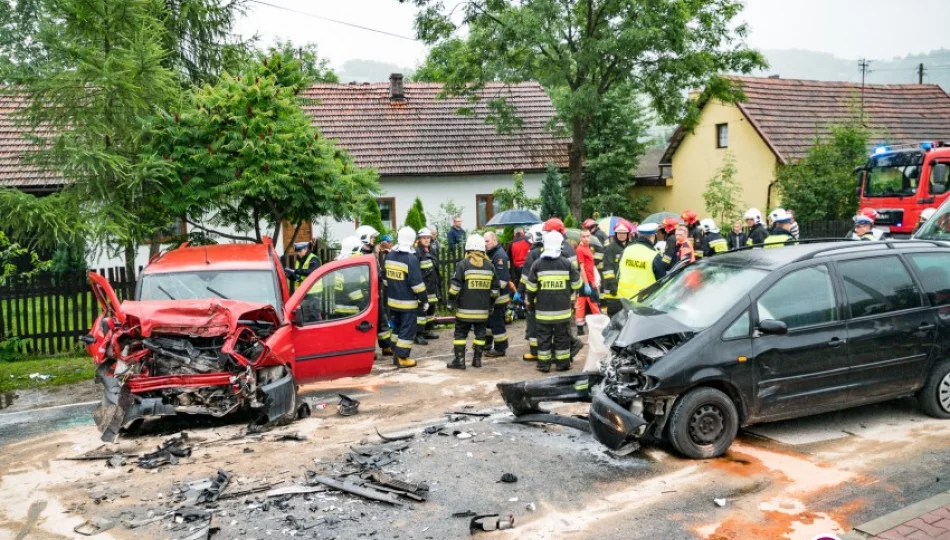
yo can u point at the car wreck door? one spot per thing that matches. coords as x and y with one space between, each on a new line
106 297
333 316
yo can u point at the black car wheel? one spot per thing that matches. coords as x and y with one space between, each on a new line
934 397
703 423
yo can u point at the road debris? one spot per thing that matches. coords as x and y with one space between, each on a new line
720 502
116 461
384 482
531 507
168 453
490 522
218 485
376 456
581 424
348 406
355 489
291 437
465 514
93 526
294 490
463 435
40 377
509 478
398 436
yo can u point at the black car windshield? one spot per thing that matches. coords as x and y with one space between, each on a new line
258 286
893 175
699 294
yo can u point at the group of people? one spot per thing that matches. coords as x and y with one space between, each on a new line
558 282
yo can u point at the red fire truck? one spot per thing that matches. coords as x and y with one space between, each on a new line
902 181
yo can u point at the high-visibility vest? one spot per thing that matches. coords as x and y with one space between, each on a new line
635 270
777 240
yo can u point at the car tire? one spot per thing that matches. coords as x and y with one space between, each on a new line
934 397
703 424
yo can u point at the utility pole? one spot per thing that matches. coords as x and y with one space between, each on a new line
920 73
863 64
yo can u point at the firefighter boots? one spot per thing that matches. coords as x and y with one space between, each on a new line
477 358
403 362
458 362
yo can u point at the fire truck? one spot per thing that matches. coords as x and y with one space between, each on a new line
902 181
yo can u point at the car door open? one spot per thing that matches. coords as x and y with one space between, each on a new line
333 316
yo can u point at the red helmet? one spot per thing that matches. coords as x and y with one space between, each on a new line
588 223
623 225
869 212
554 224
689 217
670 223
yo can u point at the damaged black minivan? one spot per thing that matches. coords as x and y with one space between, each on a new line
759 335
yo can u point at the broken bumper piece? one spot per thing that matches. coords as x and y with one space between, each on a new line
523 397
280 397
120 408
613 426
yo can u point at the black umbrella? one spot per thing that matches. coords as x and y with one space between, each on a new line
512 218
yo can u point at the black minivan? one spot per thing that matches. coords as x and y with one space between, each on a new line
760 335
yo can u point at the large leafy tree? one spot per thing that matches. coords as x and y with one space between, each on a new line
820 186
586 48
243 150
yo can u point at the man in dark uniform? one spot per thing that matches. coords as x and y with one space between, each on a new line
781 234
862 228
536 236
691 219
429 265
405 292
713 243
307 261
473 292
757 231
594 229
552 282
497 335
612 256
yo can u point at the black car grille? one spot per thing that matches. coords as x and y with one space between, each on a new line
889 217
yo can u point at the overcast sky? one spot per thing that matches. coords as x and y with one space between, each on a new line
875 29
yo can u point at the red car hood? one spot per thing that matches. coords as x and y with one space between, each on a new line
205 318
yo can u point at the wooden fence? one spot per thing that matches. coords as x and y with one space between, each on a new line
825 229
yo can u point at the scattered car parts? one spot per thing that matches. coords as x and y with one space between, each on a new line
347 406
490 522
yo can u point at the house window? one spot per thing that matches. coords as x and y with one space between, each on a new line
387 210
722 135
487 207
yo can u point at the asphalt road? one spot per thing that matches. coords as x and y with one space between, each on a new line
793 479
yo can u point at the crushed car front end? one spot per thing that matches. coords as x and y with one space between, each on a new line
204 357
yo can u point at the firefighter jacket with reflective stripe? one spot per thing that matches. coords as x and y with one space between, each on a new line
304 266
529 260
429 265
639 267
503 271
598 252
602 236
712 244
612 255
695 236
567 251
757 235
475 283
778 238
551 285
669 251
405 290
349 296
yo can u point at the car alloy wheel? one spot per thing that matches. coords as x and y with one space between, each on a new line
706 425
943 393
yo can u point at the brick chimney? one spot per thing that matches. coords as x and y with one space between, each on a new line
396 90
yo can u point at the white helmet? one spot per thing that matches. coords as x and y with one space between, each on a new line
552 245
405 239
475 242
753 214
349 247
536 233
927 214
424 232
776 212
779 215
708 225
366 234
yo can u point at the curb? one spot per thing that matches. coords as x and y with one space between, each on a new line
899 517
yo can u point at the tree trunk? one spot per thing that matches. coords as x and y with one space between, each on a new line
579 128
155 246
257 225
130 260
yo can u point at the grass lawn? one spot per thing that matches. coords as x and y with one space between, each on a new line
63 370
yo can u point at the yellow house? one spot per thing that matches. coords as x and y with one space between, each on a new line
778 122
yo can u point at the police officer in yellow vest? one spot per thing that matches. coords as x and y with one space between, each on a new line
862 228
780 234
641 265
307 261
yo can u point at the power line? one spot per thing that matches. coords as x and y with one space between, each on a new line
328 19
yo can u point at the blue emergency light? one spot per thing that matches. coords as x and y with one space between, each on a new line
881 150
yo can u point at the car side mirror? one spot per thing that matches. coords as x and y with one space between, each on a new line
773 327
296 317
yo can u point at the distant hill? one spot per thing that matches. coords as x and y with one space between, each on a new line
800 64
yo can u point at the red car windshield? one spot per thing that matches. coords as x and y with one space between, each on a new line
257 286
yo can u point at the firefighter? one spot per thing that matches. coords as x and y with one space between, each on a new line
367 235
351 296
713 242
429 265
472 296
862 228
595 231
640 265
307 261
695 231
536 237
497 335
612 255
780 235
552 281
405 292
567 250
924 216
757 231
670 252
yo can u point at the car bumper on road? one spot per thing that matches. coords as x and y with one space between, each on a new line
613 426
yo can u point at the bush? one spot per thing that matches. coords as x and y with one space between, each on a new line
414 219
372 217
417 204
553 203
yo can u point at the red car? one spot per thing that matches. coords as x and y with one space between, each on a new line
213 329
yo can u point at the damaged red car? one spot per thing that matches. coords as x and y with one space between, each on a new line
214 330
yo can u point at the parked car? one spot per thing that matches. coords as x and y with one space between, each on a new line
760 335
213 329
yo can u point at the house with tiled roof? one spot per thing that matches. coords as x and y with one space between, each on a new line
422 146
778 122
